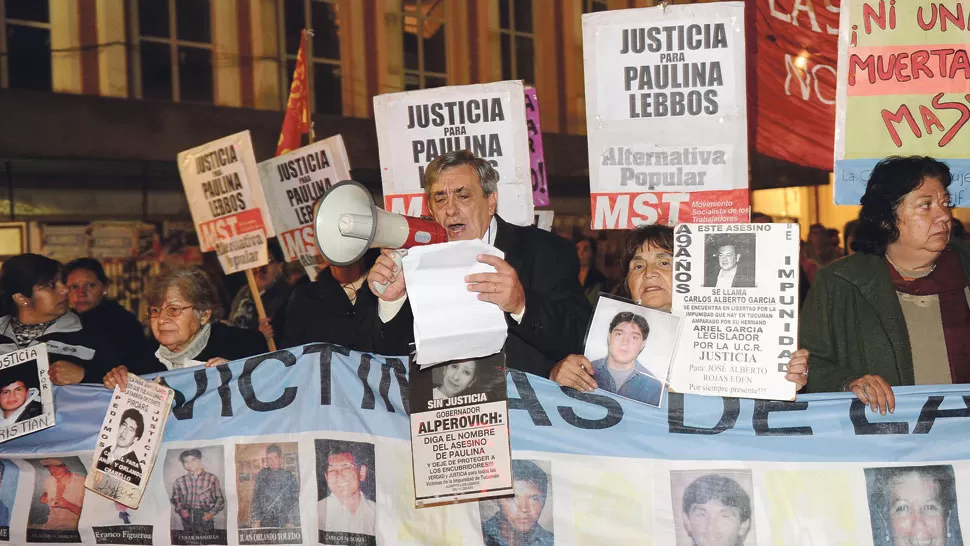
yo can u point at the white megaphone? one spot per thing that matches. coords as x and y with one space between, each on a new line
346 223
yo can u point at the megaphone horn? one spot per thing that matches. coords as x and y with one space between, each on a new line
346 223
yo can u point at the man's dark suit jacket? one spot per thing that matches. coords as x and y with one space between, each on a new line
556 309
743 277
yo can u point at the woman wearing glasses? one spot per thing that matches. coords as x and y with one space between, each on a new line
184 309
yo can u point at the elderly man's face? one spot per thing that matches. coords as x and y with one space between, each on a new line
343 475
727 257
714 524
459 204
126 432
13 396
916 515
625 343
524 509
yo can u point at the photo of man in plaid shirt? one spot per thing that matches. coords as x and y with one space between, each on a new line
197 495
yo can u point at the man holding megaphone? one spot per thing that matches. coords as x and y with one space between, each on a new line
536 285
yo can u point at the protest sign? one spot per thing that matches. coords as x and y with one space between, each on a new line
593 468
666 115
128 444
736 287
226 200
537 158
903 89
293 182
488 120
26 399
460 431
619 333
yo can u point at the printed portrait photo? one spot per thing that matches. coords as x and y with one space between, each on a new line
729 260
20 394
121 458
458 378
713 507
194 479
58 494
913 505
9 476
346 492
526 517
270 496
631 348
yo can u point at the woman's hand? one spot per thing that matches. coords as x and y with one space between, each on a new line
63 372
117 377
798 369
875 391
574 371
215 361
266 328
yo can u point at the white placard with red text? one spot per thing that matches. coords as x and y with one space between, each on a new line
293 182
414 127
226 201
666 115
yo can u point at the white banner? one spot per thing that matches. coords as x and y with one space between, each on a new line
666 115
489 120
226 201
293 182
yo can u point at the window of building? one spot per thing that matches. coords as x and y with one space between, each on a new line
175 53
423 44
25 39
517 40
323 51
592 6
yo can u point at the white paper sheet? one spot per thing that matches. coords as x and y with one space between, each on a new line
450 322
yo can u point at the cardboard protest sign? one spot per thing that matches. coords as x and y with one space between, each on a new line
903 89
25 387
736 288
226 201
293 182
489 120
537 159
666 115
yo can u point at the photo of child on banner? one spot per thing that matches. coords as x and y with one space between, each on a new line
618 334
58 497
194 479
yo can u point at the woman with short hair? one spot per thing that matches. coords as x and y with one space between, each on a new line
184 307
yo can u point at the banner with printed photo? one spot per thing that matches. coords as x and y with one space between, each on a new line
489 120
311 445
293 182
666 115
226 200
903 89
26 399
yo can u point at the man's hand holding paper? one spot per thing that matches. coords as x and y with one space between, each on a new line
501 287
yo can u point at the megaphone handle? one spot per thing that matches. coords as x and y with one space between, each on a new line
397 255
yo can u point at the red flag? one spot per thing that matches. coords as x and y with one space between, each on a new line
297 120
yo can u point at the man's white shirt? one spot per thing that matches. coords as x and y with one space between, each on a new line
725 279
334 516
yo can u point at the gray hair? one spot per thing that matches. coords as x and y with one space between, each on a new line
487 176
194 285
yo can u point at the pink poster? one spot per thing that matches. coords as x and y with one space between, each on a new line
540 187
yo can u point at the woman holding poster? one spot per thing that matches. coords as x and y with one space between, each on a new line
648 260
895 312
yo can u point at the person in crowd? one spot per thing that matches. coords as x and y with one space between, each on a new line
120 459
619 371
184 309
517 521
453 378
648 260
832 249
35 305
87 287
957 231
196 495
761 218
19 395
276 494
914 505
536 285
63 494
848 235
346 509
717 512
274 290
895 312
4 509
590 277
729 268
335 308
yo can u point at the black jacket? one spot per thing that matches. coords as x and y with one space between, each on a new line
556 310
231 343
122 329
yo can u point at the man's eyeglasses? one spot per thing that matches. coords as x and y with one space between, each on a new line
170 311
